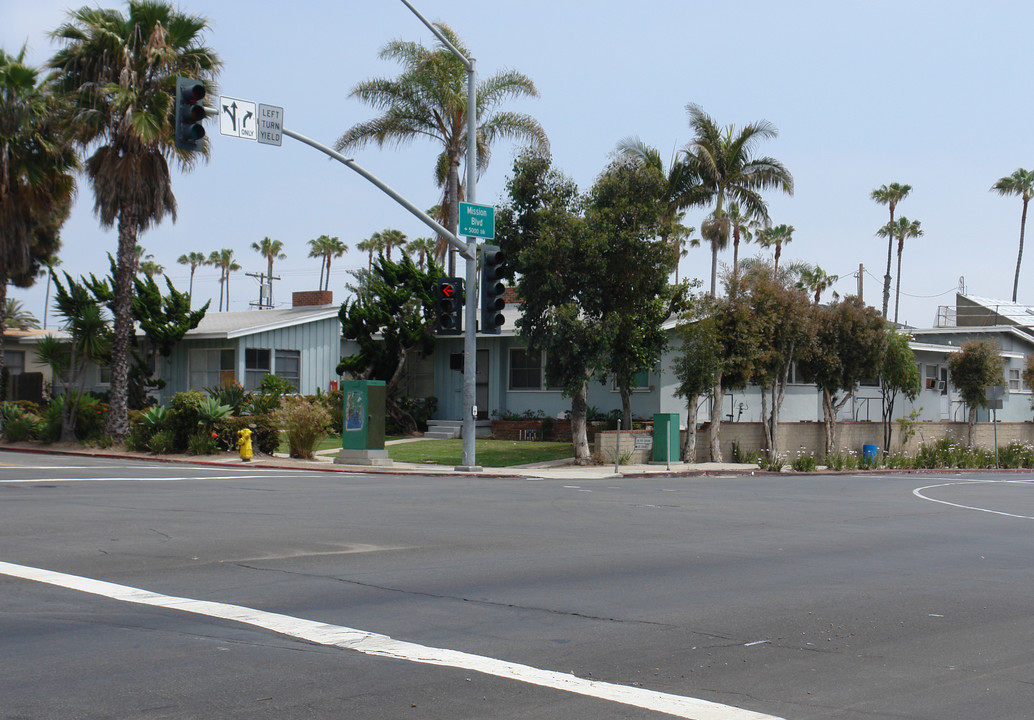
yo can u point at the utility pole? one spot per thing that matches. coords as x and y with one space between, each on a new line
861 272
265 301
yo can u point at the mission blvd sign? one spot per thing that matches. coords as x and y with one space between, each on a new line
477 221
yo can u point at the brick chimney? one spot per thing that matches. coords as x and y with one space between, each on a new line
308 298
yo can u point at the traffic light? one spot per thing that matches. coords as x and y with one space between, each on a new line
449 307
189 114
493 268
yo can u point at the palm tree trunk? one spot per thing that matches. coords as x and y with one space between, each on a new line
117 425
3 329
897 282
1019 256
890 254
714 270
454 205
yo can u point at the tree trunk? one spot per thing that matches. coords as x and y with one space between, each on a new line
1019 255
579 433
716 422
765 427
454 205
689 444
626 407
972 424
890 255
117 426
3 330
897 281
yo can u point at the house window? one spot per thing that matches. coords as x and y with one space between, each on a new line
14 361
1015 381
525 369
256 366
288 367
640 382
104 375
931 377
210 368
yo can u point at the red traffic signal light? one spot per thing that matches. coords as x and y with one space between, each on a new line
190 113
449 307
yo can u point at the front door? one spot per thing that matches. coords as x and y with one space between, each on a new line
481 384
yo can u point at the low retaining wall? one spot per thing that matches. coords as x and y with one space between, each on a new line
804 437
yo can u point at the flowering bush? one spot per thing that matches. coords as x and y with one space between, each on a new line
305 421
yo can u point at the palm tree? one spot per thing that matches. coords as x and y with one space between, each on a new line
48 268
270 250
195 260
816 280
724 160
119 72
372 244
393 239
889 195
327 248
776 237
1021 183
429 99
223 259
36 175
425 250
902 228
15 315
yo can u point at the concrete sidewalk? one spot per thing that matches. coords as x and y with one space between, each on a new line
324 461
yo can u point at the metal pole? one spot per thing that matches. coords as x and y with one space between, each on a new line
469 252
421 215
470 332
617 445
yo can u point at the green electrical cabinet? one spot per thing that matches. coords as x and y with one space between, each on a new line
666 437
362 432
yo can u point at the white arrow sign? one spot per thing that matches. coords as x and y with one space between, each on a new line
237 118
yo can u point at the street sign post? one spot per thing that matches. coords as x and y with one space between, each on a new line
477 221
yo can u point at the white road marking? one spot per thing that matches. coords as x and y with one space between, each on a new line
918 492
384 646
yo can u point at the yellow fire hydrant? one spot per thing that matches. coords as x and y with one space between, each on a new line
244 444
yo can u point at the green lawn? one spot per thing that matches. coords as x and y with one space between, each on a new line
489 453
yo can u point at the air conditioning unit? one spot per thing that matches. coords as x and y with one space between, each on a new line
942 385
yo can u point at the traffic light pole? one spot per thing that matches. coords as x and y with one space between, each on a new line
470 253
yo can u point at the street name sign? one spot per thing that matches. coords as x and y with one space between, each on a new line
270 124
477 221
237 118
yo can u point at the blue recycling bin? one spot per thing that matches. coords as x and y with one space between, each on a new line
869 453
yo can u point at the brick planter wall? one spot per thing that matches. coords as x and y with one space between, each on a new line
532 429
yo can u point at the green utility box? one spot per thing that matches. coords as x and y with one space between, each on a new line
362 433
665 437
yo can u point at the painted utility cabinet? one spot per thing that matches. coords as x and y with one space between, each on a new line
362 432
665 437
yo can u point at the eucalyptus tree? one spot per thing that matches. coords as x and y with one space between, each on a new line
541 228
36 175
729 171
902 229
119 73
271 250
429 99
1021 183
889 195
194 260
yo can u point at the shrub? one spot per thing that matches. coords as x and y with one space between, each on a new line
739 455
182 417
804 462
265 433
842 461
1016 455
203 442
21 428
305 422
233 395
162 442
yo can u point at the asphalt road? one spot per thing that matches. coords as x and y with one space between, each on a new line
799 597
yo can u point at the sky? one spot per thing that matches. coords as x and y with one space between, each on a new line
863 93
